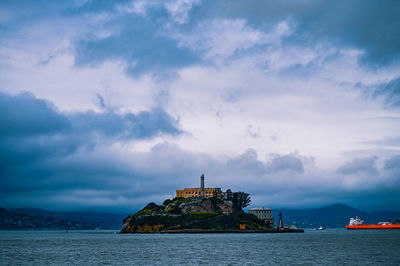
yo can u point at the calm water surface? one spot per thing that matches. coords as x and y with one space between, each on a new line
329 247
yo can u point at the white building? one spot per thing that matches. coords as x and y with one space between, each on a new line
264 214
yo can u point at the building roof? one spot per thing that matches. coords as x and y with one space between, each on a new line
260 209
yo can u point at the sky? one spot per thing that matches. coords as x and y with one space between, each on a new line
107 105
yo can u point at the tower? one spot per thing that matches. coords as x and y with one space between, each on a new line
280 225
202 186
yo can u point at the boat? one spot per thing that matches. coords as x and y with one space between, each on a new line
358 224
320 228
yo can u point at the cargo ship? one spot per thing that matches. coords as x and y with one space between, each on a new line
357 224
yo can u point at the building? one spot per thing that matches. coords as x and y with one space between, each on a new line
264 214
196 192
201 192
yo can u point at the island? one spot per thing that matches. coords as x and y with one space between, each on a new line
203 210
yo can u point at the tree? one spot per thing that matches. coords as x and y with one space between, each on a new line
229 194
240 200
166 202
150 206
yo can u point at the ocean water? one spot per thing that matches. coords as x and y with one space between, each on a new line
329 247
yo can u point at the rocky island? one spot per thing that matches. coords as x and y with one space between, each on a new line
201 213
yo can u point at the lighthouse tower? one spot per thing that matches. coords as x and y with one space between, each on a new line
280 225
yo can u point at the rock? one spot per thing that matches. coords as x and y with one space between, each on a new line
226 207
197 206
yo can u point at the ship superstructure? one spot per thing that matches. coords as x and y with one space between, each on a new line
357 224
356 221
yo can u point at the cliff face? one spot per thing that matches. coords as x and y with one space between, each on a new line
191 214
205 205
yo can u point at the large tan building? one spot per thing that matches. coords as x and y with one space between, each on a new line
196 192
201 192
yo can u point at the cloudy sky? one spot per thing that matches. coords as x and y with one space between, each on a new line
107 105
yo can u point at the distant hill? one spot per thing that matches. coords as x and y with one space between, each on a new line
31 218
332 216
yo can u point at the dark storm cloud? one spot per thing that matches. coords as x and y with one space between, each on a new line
144 41
249 163
23 114
43 151
393 165
31 129
72 167
293 180
370 25
130 126
359 165
286 162
391 92
140 42
373 26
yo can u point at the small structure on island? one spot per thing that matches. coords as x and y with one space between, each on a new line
280 225
201 192
264 214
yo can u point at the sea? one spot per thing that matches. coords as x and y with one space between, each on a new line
328 247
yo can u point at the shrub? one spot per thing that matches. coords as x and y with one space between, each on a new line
144 212
204 215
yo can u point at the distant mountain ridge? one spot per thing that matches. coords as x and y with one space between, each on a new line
31 218
332 216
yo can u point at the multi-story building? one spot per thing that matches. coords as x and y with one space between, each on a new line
196 192
201 192
264 214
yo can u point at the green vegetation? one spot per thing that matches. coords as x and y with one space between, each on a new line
173 206
204 215
166 202
144 212
149 209
180 200
240 200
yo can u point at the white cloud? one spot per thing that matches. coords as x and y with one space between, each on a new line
223 37
177 9
138 7
319 113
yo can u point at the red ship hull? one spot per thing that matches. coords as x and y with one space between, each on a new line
373 226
